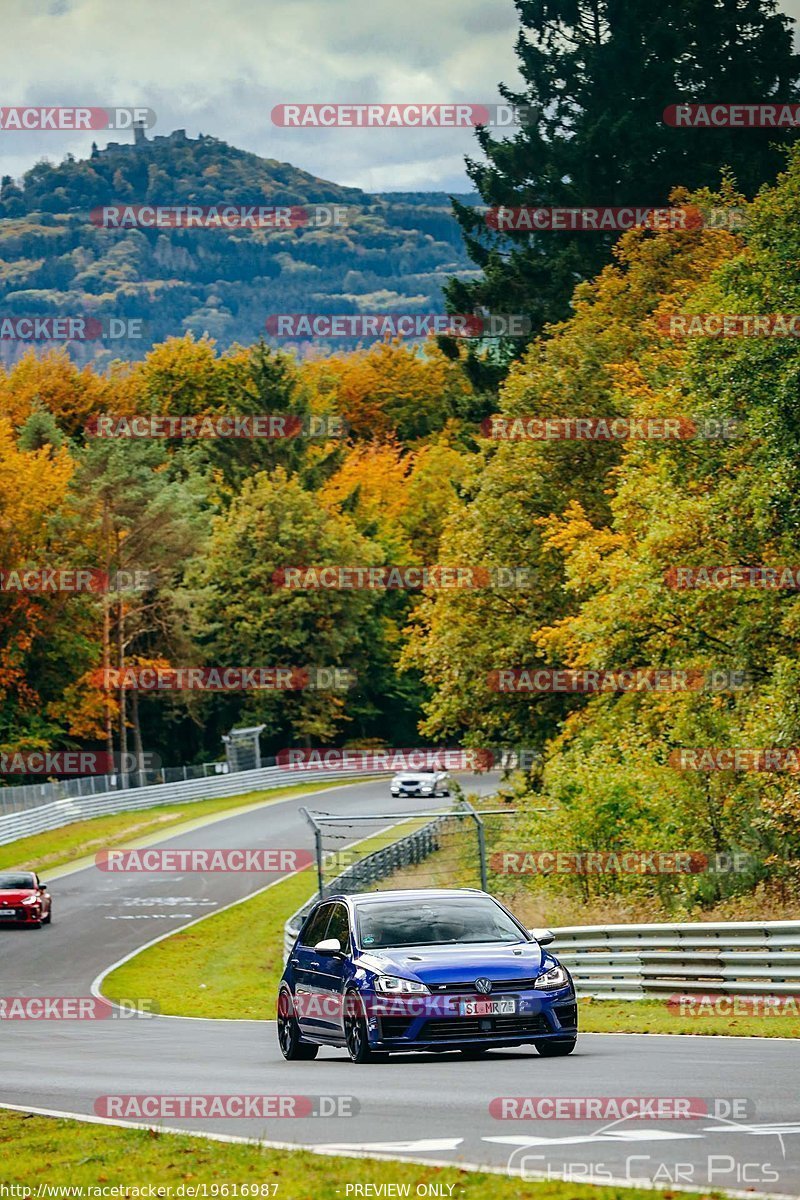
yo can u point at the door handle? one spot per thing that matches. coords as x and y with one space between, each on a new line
294 961
313 963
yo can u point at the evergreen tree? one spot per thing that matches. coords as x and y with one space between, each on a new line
598 76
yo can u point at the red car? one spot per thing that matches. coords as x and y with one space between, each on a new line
24 899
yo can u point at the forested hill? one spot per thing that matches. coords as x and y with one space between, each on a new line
393 253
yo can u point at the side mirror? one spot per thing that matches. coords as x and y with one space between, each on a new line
42 886
543 936
328 946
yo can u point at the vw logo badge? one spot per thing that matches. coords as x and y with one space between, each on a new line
484 986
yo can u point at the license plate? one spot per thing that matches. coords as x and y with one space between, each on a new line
7 912
487 1008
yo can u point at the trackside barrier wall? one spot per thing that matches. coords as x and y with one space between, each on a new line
63 812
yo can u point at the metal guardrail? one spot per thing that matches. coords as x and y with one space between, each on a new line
630 962
63 812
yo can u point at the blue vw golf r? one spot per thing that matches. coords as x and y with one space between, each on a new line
434 969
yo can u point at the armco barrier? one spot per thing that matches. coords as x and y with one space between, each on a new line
629 962
63 812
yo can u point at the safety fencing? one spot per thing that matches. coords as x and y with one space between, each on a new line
63 812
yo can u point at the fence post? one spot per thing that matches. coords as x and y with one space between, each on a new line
481 843
318 843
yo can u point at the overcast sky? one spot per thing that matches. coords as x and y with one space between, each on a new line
219 68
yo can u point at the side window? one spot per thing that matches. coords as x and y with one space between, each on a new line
315 929
339 926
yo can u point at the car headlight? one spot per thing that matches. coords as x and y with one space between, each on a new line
556 977
394 986
31 900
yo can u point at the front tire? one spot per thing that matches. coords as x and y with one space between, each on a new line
355 1032
293 1048
555 1049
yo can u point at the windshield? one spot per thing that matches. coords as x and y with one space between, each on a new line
15 879
436 922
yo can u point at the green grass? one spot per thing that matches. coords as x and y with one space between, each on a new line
229 964
57 847
38 1150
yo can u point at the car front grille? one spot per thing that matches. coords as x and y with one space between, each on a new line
17 914
468 989
471 1027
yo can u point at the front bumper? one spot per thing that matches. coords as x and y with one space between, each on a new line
433 1022
20 914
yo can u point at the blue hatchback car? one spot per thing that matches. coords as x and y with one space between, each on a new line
434 969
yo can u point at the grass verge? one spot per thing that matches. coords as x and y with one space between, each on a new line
59 847
38 1150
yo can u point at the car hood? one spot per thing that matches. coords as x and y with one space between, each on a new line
15 896
457 964
421 776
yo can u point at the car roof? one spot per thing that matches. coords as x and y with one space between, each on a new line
359 898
